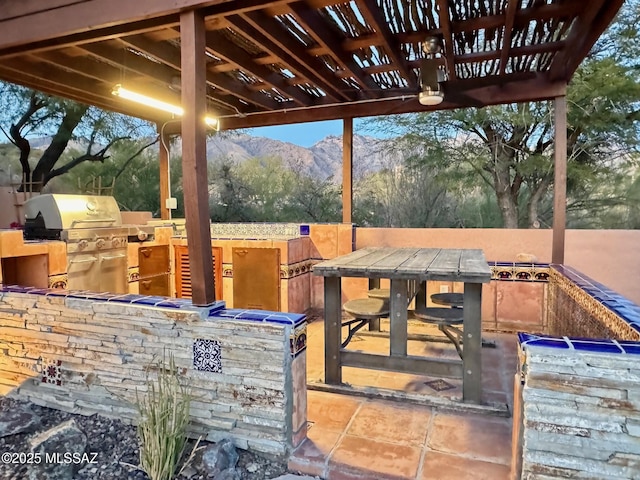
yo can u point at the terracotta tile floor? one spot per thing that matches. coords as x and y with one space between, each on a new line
425 432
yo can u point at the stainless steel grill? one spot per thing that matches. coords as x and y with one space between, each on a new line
96 240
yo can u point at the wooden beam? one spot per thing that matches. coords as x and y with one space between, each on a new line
526 50
222 47
91 36
194 157
536 89
164 155
584 32
524 16
559 180
274 38
53 81
171 58
326 36
445 26
347 170
129 63
374 17
88 15
510 15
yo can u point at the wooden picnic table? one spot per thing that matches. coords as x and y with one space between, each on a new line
402 266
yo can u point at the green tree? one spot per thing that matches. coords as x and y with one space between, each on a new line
510 147
29 114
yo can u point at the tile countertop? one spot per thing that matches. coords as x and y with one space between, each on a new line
12 244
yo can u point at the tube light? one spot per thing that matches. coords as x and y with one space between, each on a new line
120 91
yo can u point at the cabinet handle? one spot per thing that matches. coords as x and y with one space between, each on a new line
146 283
241 252
145 251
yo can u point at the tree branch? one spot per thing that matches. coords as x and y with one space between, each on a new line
126 164
99 156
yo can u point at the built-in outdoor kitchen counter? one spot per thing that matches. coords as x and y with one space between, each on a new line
37 263
263 266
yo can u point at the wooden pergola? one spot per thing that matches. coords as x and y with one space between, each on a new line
254 63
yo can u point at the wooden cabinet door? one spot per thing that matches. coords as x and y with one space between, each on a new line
153 260
256 278
155 285
183 271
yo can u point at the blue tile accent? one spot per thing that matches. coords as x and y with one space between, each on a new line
580 344
304 230
148 300
166 303
56 292
125 298
596 346
622 306
260 316
632 348
16 289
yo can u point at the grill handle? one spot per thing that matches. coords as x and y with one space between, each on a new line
94 220
88 260
111 257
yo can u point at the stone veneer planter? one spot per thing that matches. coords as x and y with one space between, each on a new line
88 353
577 400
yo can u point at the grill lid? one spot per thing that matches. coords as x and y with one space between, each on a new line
62 212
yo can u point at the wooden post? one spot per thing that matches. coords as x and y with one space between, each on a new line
347 170
163 157
194 156
560 180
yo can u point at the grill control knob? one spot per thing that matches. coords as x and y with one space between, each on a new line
116 242
100 243
82 244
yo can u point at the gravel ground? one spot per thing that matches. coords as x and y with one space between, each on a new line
117 447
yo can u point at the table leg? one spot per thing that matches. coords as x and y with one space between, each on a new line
374 324
472 340
421 296
332 330
398 317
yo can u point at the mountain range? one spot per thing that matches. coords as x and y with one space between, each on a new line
322 160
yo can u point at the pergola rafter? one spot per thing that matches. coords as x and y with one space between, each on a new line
278 55
272 62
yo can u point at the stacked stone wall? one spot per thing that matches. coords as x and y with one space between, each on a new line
581 415
90 356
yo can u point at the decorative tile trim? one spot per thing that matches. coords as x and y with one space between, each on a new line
51 371
258 231
207 355
58 281
286 271
296 269
519 272
227 270
294 319
298 339
133 274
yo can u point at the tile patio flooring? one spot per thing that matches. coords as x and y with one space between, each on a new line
422 433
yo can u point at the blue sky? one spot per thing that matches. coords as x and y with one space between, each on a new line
305 134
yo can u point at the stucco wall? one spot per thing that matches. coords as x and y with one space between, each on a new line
247 373
612 257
